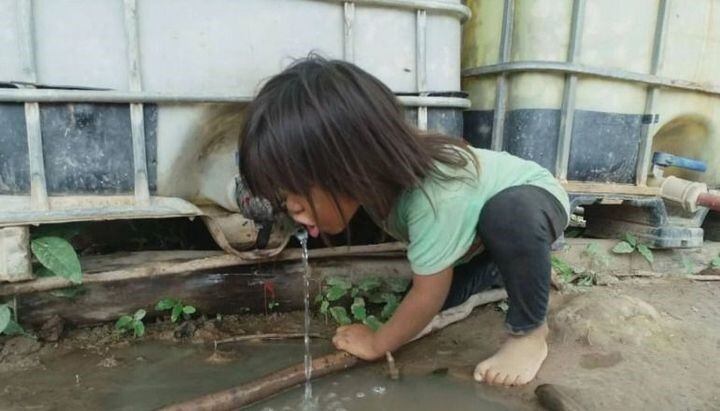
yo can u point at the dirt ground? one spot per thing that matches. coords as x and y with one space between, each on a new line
638 344
635 345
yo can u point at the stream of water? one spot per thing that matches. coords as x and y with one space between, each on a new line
308 403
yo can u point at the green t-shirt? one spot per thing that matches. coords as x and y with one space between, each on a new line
438 238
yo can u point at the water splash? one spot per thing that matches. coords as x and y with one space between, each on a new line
308 403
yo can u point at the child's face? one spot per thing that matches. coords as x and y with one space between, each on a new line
329 219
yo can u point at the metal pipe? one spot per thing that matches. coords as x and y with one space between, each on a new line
501 86
38 183
602 72
26 43
137 120
567 110
457 10
36 162
644 153
111 96
348 35
421 64
709 200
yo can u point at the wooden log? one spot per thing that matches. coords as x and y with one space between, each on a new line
266 386
704 277
265 337
214 261
226 290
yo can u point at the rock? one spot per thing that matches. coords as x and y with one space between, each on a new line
184 330
52 330
20 346
604 319
20 353
108 362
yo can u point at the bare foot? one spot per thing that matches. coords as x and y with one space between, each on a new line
518 360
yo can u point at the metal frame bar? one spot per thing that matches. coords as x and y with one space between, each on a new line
14 210
421 65
601 72
137 121
501 87
644 153
348 35
567 110
460 11
36 161
100 96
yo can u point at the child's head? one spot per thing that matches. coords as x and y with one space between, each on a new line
324 137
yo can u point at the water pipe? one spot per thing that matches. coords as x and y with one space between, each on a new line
689 194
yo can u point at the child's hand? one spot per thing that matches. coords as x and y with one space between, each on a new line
358 340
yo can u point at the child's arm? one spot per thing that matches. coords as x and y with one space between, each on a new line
419 306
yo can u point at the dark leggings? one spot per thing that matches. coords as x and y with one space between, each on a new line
517 227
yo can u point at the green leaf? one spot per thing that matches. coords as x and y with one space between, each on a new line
139 328
165 304
715 263
335 293
188 309
586 281
372 322
623 247
176 311
563 268
139 315
338 282
593 249
397 284
318 299
324 307
340 315
5 317
354 292
369 283
58 255
377 297
123 322
14 328
645 252
358 309
389 308
43 271
631 239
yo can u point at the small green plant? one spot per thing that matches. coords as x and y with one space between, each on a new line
272 305
563 269
688 264
8 326
569 274
715 262
176 308
597 256
631 244
50 244
371 301
133 323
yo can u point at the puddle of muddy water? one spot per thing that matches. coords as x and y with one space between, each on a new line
147 375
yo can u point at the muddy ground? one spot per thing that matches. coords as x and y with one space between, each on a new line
637 344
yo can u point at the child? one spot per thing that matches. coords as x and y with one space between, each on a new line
324 138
